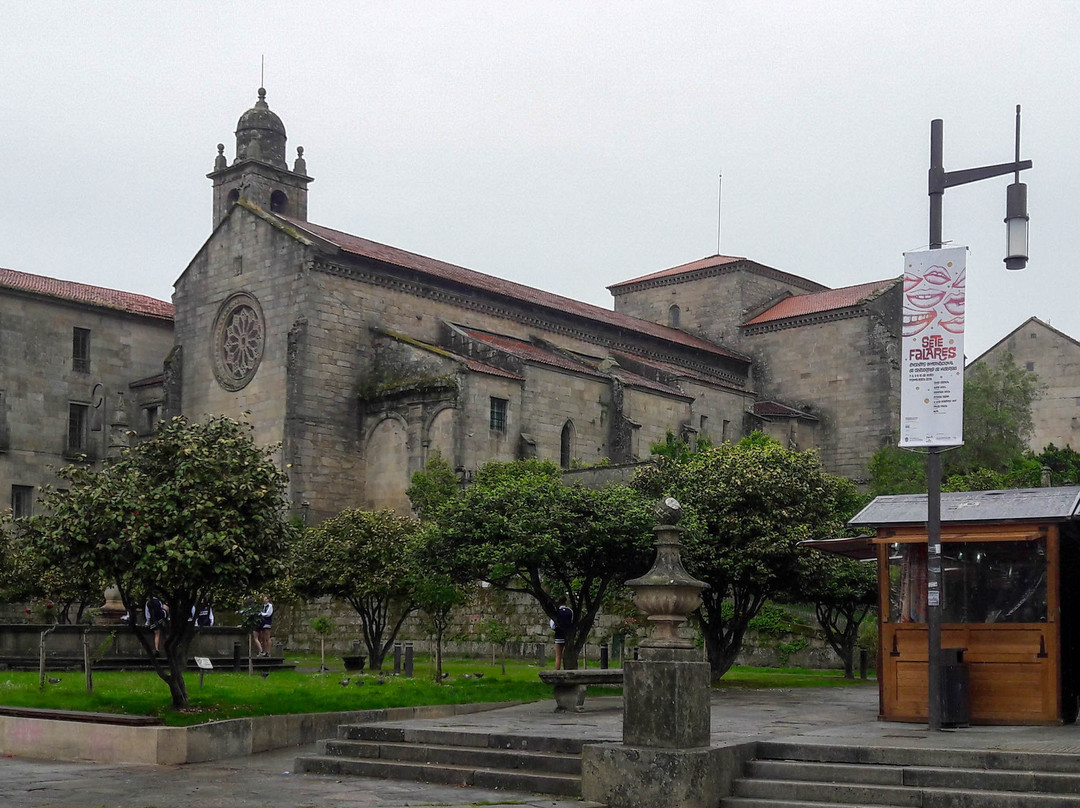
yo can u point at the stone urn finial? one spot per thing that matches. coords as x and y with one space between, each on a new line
667 593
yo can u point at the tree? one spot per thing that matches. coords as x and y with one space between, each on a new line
843 592
437 595
324 626
1064 464
365 558
747 507
196 511
433 487
29 577
997 415
897 471
520 528
997 426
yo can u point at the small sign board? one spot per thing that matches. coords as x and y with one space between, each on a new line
204 663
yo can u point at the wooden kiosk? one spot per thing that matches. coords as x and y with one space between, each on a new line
1010 602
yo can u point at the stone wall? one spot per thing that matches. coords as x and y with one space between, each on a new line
528 629
1055 358
711 303
845 370
39 381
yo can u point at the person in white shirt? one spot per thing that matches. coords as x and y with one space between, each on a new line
262 629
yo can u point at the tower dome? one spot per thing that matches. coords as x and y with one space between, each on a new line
260 135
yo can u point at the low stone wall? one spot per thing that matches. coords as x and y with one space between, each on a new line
49 739
530 635
107 642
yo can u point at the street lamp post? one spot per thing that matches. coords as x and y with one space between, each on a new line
1016 221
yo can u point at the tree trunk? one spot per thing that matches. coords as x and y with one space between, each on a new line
88 668
438 652
177 685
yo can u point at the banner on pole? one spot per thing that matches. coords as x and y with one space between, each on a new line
932 348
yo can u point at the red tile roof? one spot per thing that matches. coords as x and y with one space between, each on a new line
491 370
693 266
677 370
490 284
712 262
528 352
84 293
820 302
589 366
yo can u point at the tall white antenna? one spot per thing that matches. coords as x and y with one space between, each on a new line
262 70
719 200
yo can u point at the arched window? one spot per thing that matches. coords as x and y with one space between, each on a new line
233 198
673 316
278 202
566 445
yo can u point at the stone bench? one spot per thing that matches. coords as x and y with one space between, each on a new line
570 686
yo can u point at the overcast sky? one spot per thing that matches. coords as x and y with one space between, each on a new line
564 145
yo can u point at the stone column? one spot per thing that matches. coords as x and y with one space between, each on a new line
665 757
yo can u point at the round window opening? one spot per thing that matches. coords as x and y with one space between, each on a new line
238 341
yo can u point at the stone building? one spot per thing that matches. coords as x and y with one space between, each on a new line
1055 358
825 362
360 360
80 367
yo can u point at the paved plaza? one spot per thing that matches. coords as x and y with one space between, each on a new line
811 715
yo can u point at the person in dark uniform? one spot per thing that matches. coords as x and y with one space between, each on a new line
564 617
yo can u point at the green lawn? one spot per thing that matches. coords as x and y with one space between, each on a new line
235 695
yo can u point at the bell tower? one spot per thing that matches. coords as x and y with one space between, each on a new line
259 172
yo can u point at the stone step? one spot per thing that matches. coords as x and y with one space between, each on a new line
827 793
450 737
462 775
917 776
795 775
507 759
779 792
752 802
989 759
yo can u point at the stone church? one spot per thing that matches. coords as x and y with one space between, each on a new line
361 360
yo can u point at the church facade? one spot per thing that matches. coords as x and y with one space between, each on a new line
361 360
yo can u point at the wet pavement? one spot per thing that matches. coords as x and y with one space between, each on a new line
811 715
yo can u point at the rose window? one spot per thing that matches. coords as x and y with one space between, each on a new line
238 341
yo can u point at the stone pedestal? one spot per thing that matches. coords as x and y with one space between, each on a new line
639 777
665 758
666 701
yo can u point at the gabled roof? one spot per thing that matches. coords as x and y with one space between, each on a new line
1012 505
707 266
84 293
491 285
846 297
1032 320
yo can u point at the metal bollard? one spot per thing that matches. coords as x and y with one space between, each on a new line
236 657
408 659
397 658
603 656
